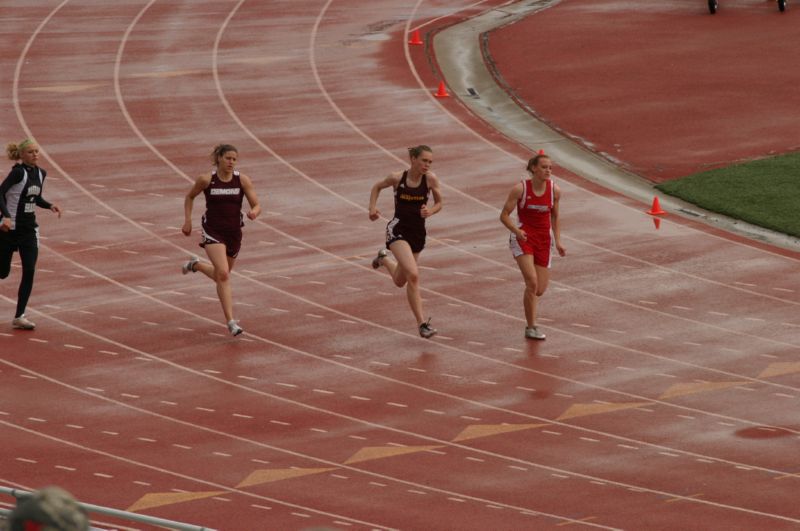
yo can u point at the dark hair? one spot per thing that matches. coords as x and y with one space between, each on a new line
535 161
220 150
416 151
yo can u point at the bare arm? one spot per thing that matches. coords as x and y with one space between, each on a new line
252 197
199 185
554 220
433 186
508 208
390 180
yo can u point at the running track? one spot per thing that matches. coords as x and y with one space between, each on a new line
664 396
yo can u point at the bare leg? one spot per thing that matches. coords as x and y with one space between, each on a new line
406 273
219 271
530 275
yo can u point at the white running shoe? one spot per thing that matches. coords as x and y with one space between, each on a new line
188 267
234 328
531 332
22 323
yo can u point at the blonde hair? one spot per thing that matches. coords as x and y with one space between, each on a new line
14 151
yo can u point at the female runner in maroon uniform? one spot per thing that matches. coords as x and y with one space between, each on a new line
224 189
536 200
405 233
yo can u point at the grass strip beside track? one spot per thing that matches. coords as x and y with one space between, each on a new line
764 192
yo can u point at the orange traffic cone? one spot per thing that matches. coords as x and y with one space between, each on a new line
415 38
541 152
442 92
655 210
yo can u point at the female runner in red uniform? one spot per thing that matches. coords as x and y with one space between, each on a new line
405 233
536 200
224 189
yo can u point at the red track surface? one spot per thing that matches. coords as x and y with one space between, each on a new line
665 88
664 396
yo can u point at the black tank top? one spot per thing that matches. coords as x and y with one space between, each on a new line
408 201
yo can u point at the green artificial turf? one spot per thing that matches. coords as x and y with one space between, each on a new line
763 192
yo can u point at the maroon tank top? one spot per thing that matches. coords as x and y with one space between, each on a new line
224 203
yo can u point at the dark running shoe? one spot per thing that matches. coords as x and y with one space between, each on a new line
426 331
378 260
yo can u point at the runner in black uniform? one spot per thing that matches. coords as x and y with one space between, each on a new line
224 190
20 194
405 233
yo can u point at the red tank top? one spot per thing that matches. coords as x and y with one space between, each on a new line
224 203
534 211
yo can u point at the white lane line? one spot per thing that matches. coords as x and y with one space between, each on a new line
181 446
397 404
433 411
280 423
67 468
356 397
26 460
